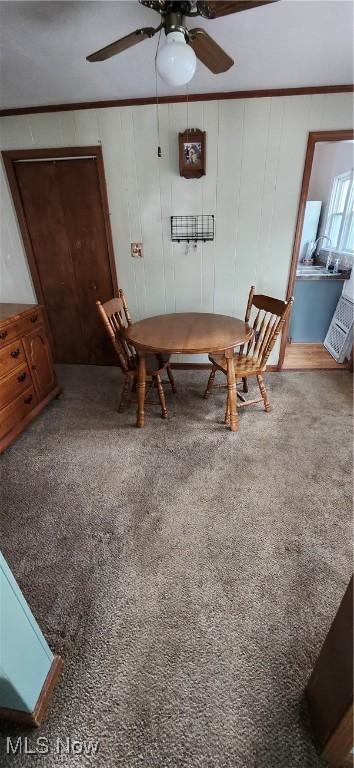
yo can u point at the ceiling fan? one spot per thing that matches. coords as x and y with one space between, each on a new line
176 61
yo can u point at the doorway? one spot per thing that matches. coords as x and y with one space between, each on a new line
61 203
322 257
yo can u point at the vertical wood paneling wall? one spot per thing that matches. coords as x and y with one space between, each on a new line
255 158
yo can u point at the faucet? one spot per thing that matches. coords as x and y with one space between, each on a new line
323 237
312 247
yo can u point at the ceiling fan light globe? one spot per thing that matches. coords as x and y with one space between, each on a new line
176 61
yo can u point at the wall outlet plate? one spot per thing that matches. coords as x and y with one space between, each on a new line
136 250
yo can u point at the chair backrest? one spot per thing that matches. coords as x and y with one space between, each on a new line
267 317
115 318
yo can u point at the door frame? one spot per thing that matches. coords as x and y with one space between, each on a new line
10 156
313 139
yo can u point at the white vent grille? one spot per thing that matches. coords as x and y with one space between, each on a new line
340 332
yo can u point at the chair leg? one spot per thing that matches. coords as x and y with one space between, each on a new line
161 396
245 384
124 393
210 383
171 379
264 393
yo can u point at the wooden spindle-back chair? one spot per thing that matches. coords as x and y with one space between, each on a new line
115 318
266 317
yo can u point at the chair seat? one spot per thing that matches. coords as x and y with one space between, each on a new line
244 366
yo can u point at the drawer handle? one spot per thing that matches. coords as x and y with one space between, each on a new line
21 377
34 318
28 399
3 334
15 352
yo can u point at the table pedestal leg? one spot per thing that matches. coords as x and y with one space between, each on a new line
231 393
141 385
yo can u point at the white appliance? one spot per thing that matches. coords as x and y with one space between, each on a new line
310 228
339 337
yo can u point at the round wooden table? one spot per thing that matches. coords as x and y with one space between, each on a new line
188 333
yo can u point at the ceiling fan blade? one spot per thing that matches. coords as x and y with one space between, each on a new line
212 9
121 45
208 51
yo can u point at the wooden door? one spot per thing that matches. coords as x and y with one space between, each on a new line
64 214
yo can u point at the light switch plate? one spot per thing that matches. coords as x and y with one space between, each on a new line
136 250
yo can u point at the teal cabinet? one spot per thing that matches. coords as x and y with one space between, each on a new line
314 305
25 657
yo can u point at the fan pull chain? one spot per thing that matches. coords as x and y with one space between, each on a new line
159 153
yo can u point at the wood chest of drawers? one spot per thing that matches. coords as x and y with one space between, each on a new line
27 377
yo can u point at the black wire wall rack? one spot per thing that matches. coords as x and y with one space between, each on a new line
187 228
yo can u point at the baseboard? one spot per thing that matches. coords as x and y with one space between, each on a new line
207 366
191 366
35 718
303 369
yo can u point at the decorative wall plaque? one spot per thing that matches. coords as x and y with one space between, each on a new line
192 153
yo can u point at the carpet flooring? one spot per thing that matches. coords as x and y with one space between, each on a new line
187 575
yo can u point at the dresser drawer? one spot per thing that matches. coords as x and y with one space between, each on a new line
11 357
20 326
13 414
12 386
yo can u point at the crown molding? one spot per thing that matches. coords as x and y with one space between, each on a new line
219 96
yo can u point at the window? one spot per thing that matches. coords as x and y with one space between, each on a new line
339 225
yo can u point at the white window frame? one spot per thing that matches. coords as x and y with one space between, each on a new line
339 246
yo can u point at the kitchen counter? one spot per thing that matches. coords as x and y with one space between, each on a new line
319 273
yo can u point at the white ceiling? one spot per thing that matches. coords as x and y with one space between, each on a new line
287 44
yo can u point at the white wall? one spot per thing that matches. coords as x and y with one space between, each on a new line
255 157
329 160
15 281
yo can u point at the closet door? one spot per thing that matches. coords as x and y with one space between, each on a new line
62 205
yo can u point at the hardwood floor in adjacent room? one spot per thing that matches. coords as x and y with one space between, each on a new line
309 357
